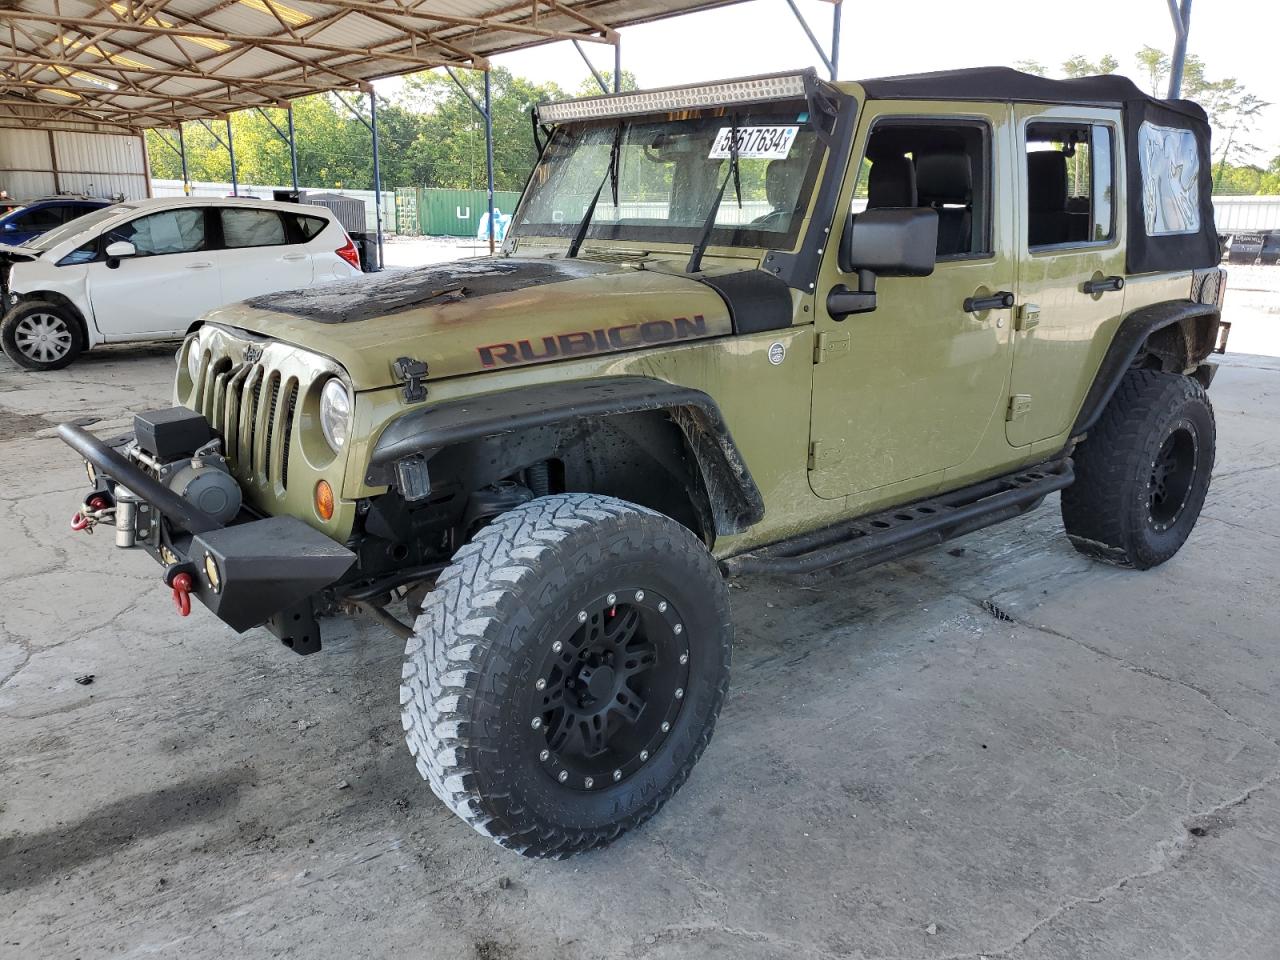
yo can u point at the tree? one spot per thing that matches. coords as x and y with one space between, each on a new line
589 87
1032 66
1156 63
1079 66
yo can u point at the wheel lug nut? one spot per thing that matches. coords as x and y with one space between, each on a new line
662 606
617 775
564 775
544 756
541 684
557 647
684 658
611 599
666 727
536 723
588 783
639 595
644 755
678 629
679 693
582 616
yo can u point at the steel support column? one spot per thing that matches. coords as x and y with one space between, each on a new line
829 60
377 168
1181 27
488 154
293 150
231 151
182 155
617 65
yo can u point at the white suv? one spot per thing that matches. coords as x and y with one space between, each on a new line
148 270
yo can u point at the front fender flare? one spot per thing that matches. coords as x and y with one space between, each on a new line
735 499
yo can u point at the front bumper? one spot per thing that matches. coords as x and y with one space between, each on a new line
246 572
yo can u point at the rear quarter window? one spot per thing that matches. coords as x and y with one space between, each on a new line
304 228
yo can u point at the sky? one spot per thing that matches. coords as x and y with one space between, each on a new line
1239 38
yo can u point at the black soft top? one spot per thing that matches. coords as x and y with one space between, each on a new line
1167 146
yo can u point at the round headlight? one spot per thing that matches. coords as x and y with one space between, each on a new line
335 413
193 361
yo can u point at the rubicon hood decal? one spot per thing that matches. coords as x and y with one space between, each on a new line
365 298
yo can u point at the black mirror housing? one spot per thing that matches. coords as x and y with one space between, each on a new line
891 242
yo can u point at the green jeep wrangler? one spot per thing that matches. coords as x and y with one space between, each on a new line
765 325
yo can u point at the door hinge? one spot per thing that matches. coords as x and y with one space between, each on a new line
1019 406
815 454
1028 317
828 345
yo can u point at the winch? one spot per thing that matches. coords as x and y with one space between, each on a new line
177 447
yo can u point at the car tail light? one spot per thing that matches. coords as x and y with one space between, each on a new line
349 253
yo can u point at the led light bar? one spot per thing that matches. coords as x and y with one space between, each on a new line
780 86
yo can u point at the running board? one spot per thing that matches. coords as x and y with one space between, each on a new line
880 537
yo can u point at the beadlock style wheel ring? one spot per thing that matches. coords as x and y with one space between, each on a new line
609 689
1172 476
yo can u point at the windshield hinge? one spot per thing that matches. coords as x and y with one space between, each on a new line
412 372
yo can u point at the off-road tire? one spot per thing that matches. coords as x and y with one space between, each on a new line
10 331
479 648
1125 506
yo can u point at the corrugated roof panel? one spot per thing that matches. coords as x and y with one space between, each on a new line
185 60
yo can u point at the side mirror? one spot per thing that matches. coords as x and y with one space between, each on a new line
891 242
885 242
121 249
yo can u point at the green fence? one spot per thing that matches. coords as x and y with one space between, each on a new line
439 212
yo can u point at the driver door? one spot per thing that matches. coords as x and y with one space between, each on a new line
171 281
910 389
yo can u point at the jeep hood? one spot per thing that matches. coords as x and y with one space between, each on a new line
479 315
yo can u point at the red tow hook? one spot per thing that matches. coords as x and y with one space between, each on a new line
182 594
81 522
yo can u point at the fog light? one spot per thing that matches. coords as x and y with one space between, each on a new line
324 500
212 573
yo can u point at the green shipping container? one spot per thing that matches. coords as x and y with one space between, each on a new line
457 213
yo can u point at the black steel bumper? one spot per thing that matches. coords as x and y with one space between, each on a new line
246 572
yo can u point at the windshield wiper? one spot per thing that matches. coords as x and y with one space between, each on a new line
610 176
699 248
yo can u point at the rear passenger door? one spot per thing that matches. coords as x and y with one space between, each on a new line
1071 263
257 255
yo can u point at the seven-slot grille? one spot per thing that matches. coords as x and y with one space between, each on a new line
252 407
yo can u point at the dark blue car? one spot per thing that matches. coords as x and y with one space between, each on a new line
39 216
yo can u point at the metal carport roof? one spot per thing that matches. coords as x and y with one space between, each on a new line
127 64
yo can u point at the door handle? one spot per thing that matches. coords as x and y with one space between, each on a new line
1092 287
1000 300
294 257
203 265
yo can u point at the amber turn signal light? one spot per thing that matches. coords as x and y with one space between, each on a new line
324 500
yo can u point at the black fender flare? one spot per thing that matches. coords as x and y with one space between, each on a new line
1134 331
736 501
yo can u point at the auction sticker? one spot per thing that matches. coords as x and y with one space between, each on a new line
767 143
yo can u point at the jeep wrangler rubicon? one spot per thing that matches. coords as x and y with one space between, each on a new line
764 325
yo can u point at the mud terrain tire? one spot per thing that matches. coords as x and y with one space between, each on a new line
563 611
1143 471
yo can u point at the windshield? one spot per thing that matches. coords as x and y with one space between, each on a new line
669 172
73 228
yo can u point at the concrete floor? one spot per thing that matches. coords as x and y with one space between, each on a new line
900 771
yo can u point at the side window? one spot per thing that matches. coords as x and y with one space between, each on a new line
1070 184
169 231
303 228
242 227
44 218
943 166
85 254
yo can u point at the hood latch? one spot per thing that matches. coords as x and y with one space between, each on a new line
413 373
